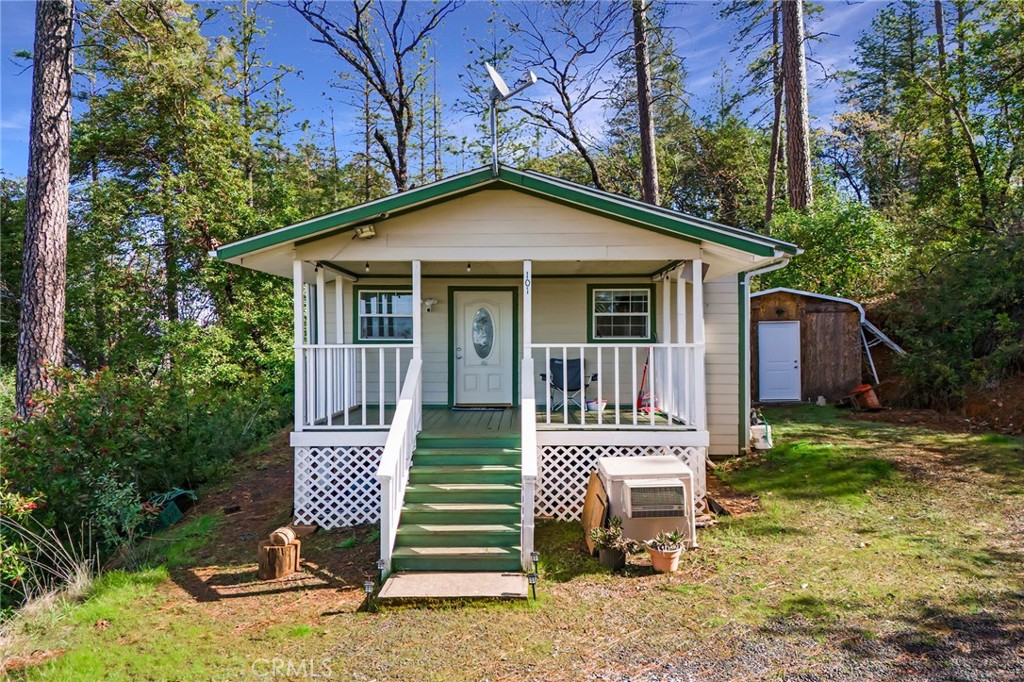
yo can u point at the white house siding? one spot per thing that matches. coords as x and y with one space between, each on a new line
721 325
561 308
499 225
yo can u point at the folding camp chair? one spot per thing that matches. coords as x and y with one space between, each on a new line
570 380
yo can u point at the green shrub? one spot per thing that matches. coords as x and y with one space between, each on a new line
850 250
13 548
963 324
105 442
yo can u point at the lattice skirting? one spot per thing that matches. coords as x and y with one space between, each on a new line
337 486
565 469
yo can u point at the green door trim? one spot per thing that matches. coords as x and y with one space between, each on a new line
451 339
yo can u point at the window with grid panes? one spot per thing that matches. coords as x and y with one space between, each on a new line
621 314
385 316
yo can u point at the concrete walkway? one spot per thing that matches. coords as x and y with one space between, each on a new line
461 585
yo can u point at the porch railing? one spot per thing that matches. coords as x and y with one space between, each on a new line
393 472
659 386
350 386
528 470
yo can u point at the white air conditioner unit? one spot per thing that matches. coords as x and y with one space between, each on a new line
650 495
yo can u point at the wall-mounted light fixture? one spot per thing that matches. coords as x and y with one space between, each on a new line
429 303
365 232
367 268
469 267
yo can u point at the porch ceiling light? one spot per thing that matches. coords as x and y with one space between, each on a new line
365 232
469 267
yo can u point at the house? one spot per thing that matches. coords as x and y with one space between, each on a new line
427 328
806 345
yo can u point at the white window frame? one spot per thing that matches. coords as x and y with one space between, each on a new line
360 315
594 315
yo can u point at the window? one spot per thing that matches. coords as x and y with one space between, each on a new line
621 313
384 315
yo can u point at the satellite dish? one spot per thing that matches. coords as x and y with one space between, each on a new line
500 93
499 83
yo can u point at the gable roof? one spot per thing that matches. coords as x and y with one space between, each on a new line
624 209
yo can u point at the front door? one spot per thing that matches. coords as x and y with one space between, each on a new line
778 360
483 347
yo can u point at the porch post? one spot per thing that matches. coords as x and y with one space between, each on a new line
700 405
339 309
666 309
681 335
417 312
299 329
321 308
527 308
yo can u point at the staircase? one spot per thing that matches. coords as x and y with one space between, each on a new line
462 506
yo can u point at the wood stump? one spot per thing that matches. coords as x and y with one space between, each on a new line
283 536
278 561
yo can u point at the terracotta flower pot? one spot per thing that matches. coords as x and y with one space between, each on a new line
612 558
665 562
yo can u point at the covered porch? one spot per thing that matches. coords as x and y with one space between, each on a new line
603 383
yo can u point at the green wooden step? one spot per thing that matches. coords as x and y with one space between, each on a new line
493 493
478 473
459 512
431 456
456 559
458 535
425 440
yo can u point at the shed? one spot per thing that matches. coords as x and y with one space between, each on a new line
804 345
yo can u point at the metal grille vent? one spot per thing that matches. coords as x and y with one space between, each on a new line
649 499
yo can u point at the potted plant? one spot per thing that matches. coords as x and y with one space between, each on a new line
665 549
612 547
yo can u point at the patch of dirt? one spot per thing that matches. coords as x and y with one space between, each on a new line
998 408
222 575
925 419
14 663
731 500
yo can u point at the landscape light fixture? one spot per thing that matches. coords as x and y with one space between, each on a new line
532 577
381 565
365 232
368 588
535 558
500 93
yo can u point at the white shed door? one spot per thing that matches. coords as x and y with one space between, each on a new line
778 360
483 347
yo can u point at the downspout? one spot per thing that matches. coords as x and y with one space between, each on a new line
745 293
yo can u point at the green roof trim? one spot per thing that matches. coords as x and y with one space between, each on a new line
585 198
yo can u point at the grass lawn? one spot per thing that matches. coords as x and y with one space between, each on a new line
880 552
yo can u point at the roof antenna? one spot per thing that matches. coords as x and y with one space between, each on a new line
499 93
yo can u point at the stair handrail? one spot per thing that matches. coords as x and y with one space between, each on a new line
528 471
393 471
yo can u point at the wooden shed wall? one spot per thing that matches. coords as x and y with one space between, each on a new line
830 344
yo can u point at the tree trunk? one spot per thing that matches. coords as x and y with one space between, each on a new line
798 134
44 274
776 152
947 119
648 152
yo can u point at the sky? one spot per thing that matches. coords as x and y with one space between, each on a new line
701 37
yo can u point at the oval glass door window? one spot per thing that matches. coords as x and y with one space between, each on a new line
483 333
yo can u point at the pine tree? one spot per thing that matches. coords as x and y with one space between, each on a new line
44 260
